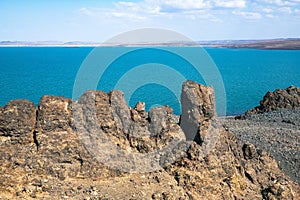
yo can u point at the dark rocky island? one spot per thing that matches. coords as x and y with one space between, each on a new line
58 151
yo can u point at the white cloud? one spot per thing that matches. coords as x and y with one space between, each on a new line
282 2
147 9
184 4
230 3
286 10
270 16
248 15
101 13
194 9
127 15
202 4
268 10
86 11
177 6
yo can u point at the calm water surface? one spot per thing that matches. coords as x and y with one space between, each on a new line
31 72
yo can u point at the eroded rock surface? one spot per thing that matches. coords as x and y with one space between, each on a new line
198 116
100 148
288 98
17 120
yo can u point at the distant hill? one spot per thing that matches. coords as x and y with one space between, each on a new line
281 43
290 43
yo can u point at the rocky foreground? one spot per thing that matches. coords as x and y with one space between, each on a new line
100 148
274 125
277 132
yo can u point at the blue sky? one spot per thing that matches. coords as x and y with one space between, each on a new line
99 20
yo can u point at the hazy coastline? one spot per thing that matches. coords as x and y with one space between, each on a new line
272 44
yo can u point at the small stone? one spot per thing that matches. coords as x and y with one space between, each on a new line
249 151
156 178
140 107
36 182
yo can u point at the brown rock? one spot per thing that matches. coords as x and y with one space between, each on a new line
249 151
140 107
225 174
67 162
139 113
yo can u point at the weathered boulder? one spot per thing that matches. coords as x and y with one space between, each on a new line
225 173
159 119
120 111
198 110
54 114
17 120
226 170
288 98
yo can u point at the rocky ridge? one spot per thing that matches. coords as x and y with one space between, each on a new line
58 151
288 98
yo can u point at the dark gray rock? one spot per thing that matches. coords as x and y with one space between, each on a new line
288 98
198 110
120 111
17 119
277 132
54 114
96 111
159 118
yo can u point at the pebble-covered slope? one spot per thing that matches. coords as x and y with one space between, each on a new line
277 132
274 125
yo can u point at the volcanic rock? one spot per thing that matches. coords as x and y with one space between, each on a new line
100 148
288 98
17 120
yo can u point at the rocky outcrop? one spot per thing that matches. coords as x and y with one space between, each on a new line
17 121
100 148
288 98
198 110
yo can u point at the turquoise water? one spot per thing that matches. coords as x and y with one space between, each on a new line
31 72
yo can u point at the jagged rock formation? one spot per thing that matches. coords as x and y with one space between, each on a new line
288 98
100 148
198 110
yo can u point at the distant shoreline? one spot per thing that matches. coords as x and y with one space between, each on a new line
272 44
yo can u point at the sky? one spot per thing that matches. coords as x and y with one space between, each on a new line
99 20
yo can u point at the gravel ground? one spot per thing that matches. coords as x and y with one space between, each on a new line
277 132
